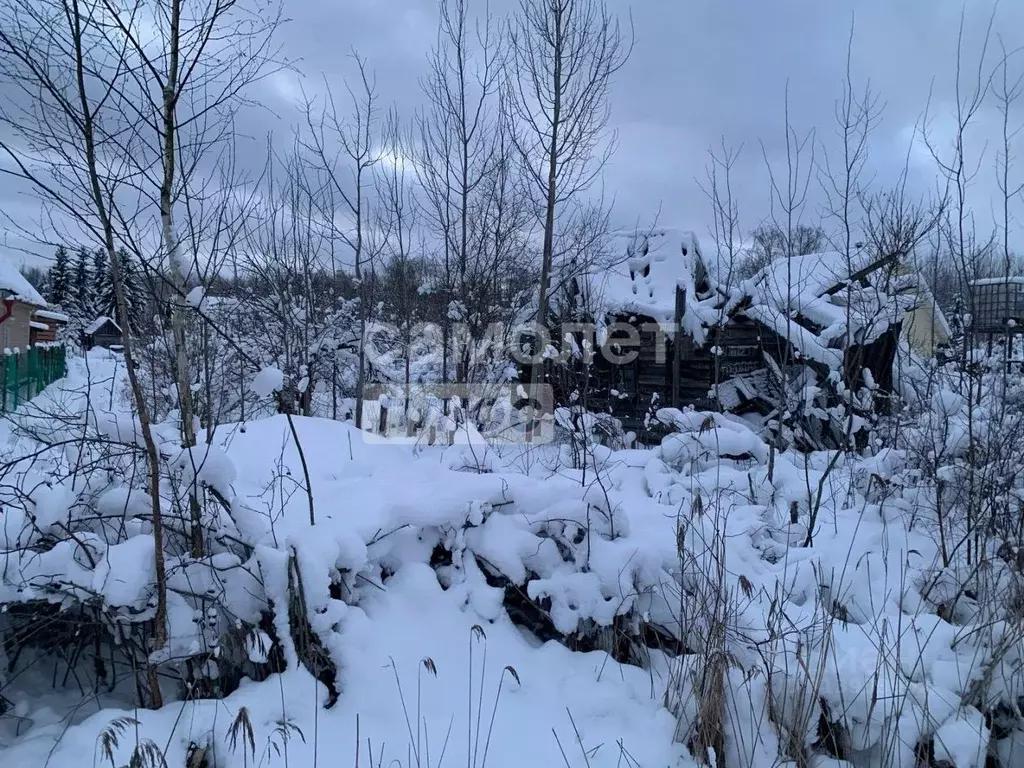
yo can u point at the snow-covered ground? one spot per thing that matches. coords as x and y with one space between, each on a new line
811 584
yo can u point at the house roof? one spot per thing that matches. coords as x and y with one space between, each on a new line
817 301
998 281
820 290
644 273
98 323
48 314
15 285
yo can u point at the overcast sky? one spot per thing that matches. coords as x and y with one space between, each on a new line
702 71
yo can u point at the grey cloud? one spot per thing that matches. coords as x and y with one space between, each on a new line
703 71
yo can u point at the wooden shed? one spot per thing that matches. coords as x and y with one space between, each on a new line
45 324
102 332
801 325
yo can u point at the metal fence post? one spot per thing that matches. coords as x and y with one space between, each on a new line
8 393
33 372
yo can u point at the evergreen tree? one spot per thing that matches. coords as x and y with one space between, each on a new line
83 302
60 278
134 298
134 290
100 278
38 278
106 302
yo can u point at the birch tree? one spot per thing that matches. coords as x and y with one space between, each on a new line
55 57
344 152
457 152
565 54
191 63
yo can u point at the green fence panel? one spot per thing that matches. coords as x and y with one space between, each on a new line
26 374
10 377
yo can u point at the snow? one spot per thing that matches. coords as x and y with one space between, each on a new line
268 381
38 326
195 297
998 281
805 342
98 323
801 279
711 525
47 314
13 283
789 287
963 740
558 693
646 268
208 465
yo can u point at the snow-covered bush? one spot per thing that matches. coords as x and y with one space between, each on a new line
790 606
80 549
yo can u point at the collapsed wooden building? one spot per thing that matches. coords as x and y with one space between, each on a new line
807 339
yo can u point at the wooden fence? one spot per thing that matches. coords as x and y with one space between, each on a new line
26 374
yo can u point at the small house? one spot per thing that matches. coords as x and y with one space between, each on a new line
19 301
102 332
803 335
45 325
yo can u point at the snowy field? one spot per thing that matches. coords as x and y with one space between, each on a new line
509 608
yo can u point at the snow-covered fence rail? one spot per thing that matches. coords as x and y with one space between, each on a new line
26 374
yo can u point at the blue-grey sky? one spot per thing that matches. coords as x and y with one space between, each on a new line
702 72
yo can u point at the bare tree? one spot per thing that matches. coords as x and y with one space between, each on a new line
123 106
772 241
457 151
565 54
725 228
55 56
1008 89
188 71
345 152
397 217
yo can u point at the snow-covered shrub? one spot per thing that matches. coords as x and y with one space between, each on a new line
80 549
796 606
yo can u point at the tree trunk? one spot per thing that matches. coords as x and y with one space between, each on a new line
548 254
183 377
138 395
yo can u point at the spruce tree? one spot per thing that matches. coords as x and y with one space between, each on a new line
134 294
107 299
60 278
100 270
82 300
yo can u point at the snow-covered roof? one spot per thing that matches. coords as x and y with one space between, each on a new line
818 287
810 300
14 284
645 270
49 314
998 281
644 273
799 281
98 323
